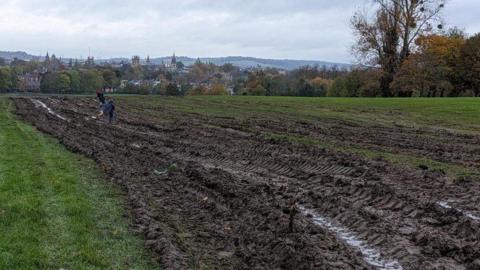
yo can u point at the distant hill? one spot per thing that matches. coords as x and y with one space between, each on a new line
18 55
247 62
239 61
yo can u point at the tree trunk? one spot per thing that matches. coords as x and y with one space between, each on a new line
385 80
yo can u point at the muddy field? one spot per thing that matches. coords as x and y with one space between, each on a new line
208 194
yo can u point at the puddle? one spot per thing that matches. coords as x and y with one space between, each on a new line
370 255
50 111
468 214
444 205
136 145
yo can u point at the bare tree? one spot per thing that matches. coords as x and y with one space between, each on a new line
388 38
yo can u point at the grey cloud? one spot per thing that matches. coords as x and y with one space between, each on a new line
300 29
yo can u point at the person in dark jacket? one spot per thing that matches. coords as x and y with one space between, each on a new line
101 96
108 110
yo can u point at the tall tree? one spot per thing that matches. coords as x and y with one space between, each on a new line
110 79
5 79
90 80
48 82
217 90
431 70
470 65
74 76
172 90
62 84
388 38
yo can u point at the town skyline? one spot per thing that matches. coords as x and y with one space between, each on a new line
239 61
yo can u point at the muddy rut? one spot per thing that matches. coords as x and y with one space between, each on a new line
216 197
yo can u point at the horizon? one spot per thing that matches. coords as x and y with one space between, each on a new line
176 55
279 30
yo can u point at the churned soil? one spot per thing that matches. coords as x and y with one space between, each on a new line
206 194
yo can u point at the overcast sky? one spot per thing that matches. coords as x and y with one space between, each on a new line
293 29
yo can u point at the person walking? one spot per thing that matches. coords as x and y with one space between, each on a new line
108 110
101 96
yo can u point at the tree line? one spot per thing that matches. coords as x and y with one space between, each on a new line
198 79
410 54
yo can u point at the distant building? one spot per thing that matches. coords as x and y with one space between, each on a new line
109 90
136 61
90 62
173 65
149 84
174 61
123 83
30 82
47 58
52 63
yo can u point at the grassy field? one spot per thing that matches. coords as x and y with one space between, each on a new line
55 211
458 115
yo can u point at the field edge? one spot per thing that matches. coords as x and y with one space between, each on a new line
57 209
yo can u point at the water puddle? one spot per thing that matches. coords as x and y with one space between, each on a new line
370 255
38 103
468 214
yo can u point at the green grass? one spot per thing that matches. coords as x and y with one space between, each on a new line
457 114
55 210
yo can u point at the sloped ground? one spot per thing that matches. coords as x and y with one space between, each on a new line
55 210
208 194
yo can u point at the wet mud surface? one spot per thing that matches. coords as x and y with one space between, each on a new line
215 197
436 144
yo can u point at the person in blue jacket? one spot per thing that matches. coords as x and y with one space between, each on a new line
108 110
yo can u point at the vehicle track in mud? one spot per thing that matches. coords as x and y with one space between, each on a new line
436 144
209 196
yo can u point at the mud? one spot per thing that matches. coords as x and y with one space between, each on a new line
217 197
436 144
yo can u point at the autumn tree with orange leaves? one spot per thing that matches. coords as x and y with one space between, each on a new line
432 70
387 38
